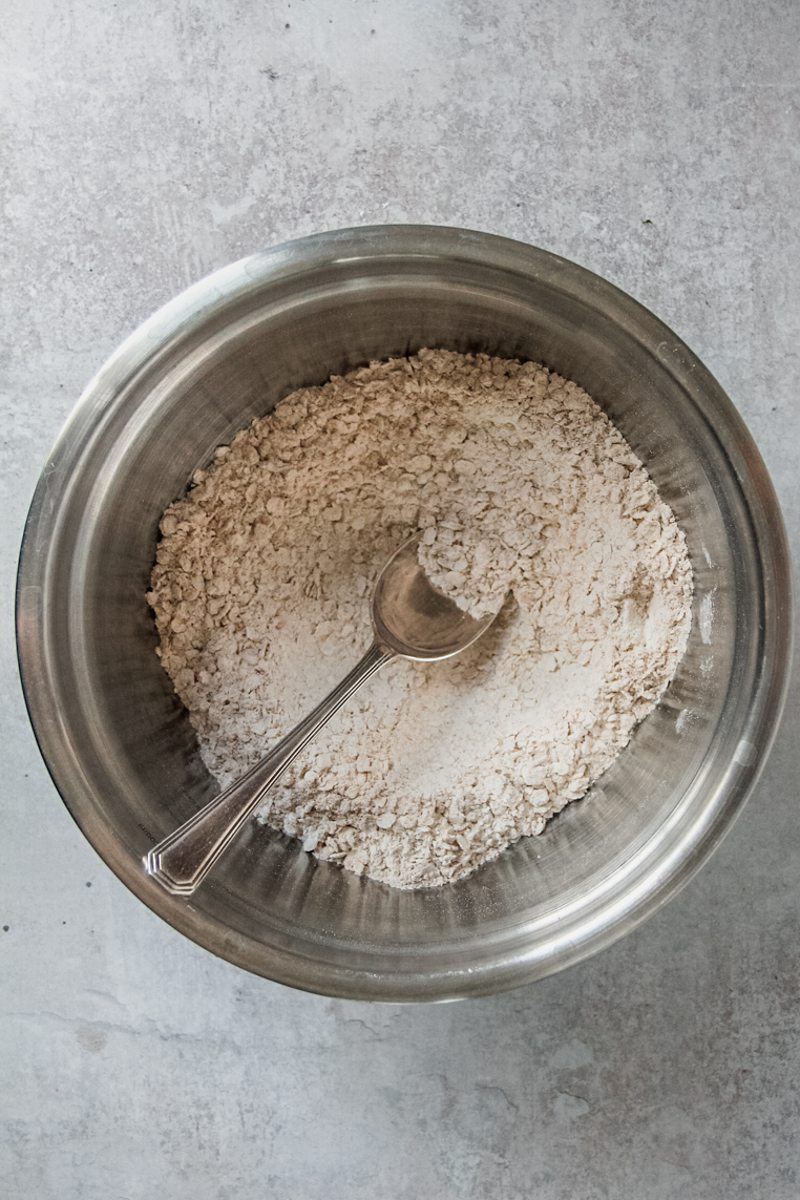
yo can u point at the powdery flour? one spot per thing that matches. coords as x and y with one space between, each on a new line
526 496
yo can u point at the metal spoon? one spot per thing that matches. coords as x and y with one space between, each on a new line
410 619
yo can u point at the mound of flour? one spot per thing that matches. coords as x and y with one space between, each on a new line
526 496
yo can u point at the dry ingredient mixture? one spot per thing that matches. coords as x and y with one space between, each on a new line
526 496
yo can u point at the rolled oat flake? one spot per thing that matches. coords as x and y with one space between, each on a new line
526 497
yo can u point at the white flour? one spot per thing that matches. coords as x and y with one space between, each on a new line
519 483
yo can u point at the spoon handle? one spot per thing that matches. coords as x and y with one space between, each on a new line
181 861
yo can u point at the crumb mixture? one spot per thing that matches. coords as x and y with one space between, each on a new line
526 497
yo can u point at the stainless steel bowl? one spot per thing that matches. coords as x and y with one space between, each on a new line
120 747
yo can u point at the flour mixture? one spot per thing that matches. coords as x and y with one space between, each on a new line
526 497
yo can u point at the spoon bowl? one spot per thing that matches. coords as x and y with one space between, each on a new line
416 620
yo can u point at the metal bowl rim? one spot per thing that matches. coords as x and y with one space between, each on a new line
659 879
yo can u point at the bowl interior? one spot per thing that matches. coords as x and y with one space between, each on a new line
228 356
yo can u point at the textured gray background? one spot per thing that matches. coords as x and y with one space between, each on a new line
145 143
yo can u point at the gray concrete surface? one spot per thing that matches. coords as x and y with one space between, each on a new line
144 144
